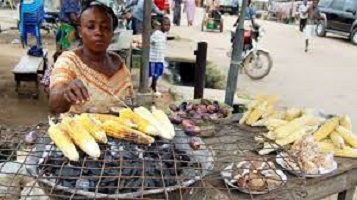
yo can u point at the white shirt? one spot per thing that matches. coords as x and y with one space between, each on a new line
302 9
157 46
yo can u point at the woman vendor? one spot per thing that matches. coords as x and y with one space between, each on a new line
90 77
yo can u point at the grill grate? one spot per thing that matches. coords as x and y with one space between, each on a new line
164 170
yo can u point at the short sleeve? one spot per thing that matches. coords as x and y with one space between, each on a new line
63 70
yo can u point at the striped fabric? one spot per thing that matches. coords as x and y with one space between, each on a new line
100 87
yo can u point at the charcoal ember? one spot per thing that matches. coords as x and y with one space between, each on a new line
92 185
130 155
159 183
122 183
82 184
135 172
169 182
76 164
70 172
130 183
172 172
150 183
69 184
111 172
111 188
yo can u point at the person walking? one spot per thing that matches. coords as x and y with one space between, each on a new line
157 51
313 17
177 12
303 15
190 8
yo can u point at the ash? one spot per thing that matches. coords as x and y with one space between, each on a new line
123 167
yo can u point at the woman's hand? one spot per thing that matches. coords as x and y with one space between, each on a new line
76 92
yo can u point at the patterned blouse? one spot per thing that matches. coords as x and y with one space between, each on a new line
101 88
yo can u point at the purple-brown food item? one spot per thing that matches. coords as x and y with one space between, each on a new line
211 109
195 143
202 109
175 118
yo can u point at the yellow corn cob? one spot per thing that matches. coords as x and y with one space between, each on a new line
162 117
292 113
147 115
117 130
310 120
81 137
63 141
289 128
93 126
337 140
292 137
260 122
245 117
103 117
345 121
275 123
326 147
349 137
257 113
143 125
253 104
346 152
325 129
278 115
269 111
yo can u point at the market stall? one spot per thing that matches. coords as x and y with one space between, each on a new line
189 150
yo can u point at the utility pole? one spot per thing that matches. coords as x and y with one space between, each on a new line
144 69
236 59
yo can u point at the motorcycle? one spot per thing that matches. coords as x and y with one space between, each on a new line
256 61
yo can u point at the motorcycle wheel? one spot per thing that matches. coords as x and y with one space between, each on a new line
259 67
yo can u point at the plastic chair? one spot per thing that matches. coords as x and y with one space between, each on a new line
31 16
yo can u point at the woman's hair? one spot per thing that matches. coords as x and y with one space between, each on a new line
109 11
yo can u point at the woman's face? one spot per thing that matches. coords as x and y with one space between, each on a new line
96 29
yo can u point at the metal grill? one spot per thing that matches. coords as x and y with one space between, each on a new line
164 170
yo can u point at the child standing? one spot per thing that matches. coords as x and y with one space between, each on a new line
157 51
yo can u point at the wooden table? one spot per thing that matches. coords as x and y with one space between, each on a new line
342 182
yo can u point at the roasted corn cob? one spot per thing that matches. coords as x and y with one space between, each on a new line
269 111
162 117
103 117
289 128
292 137
147 115
292 113
337 140
81 137
63 141
278 115
120 131
325 129
273 124
345 121
349 137
326 147
93 126
245 117
143 124
346 152
257 113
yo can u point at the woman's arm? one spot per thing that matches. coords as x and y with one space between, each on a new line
64 95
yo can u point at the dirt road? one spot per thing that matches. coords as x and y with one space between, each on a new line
322 78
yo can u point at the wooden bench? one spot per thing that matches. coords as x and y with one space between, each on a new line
28 69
